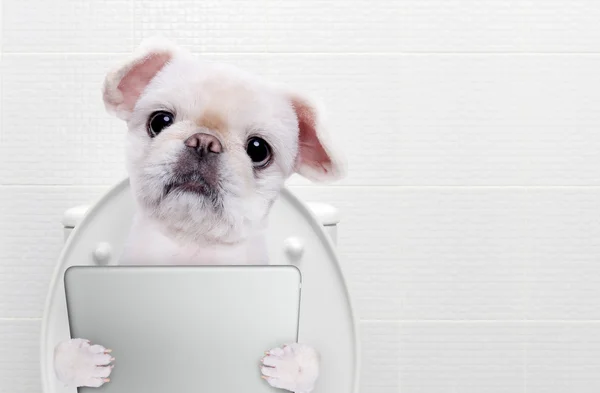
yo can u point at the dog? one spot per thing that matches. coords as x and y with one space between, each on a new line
209 147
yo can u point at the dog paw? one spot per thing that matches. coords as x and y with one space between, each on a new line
293 367
79 363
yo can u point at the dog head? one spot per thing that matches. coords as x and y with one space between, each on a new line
210 146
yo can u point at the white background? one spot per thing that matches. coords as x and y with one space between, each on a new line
471 214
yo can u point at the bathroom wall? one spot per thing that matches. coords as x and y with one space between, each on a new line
471 214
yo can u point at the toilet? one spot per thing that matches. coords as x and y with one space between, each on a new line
299 233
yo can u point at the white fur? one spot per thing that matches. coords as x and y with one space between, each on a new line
190 228
78 363
293 367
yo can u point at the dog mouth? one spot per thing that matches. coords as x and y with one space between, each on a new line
188 184
195 185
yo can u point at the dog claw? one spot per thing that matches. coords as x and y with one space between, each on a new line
106 379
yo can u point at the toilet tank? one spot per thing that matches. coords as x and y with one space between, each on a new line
327 215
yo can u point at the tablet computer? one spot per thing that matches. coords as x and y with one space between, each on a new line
184 328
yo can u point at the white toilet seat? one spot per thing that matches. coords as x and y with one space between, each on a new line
327 320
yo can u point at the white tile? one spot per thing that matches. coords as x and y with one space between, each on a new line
407 253
67 136
31 238
36 26
20 356
442 89
462 357
562 271
401 120
465 253
567 288
563 357
468 156
453 120
380 347
364 26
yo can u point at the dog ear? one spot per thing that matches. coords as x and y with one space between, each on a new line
124 84
316 160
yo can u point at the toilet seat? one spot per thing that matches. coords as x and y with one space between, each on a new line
327 320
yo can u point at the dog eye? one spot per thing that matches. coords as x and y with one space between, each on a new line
259 152
158 121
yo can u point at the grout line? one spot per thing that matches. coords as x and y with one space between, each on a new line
57 54
525 361
2 3
526 287
466 321
334 186
449 186
19 319
15 185
133 21
366 54
401 321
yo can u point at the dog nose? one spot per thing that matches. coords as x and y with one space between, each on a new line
204 144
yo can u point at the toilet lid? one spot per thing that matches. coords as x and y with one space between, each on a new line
327 319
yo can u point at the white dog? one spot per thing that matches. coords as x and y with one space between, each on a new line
209 149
